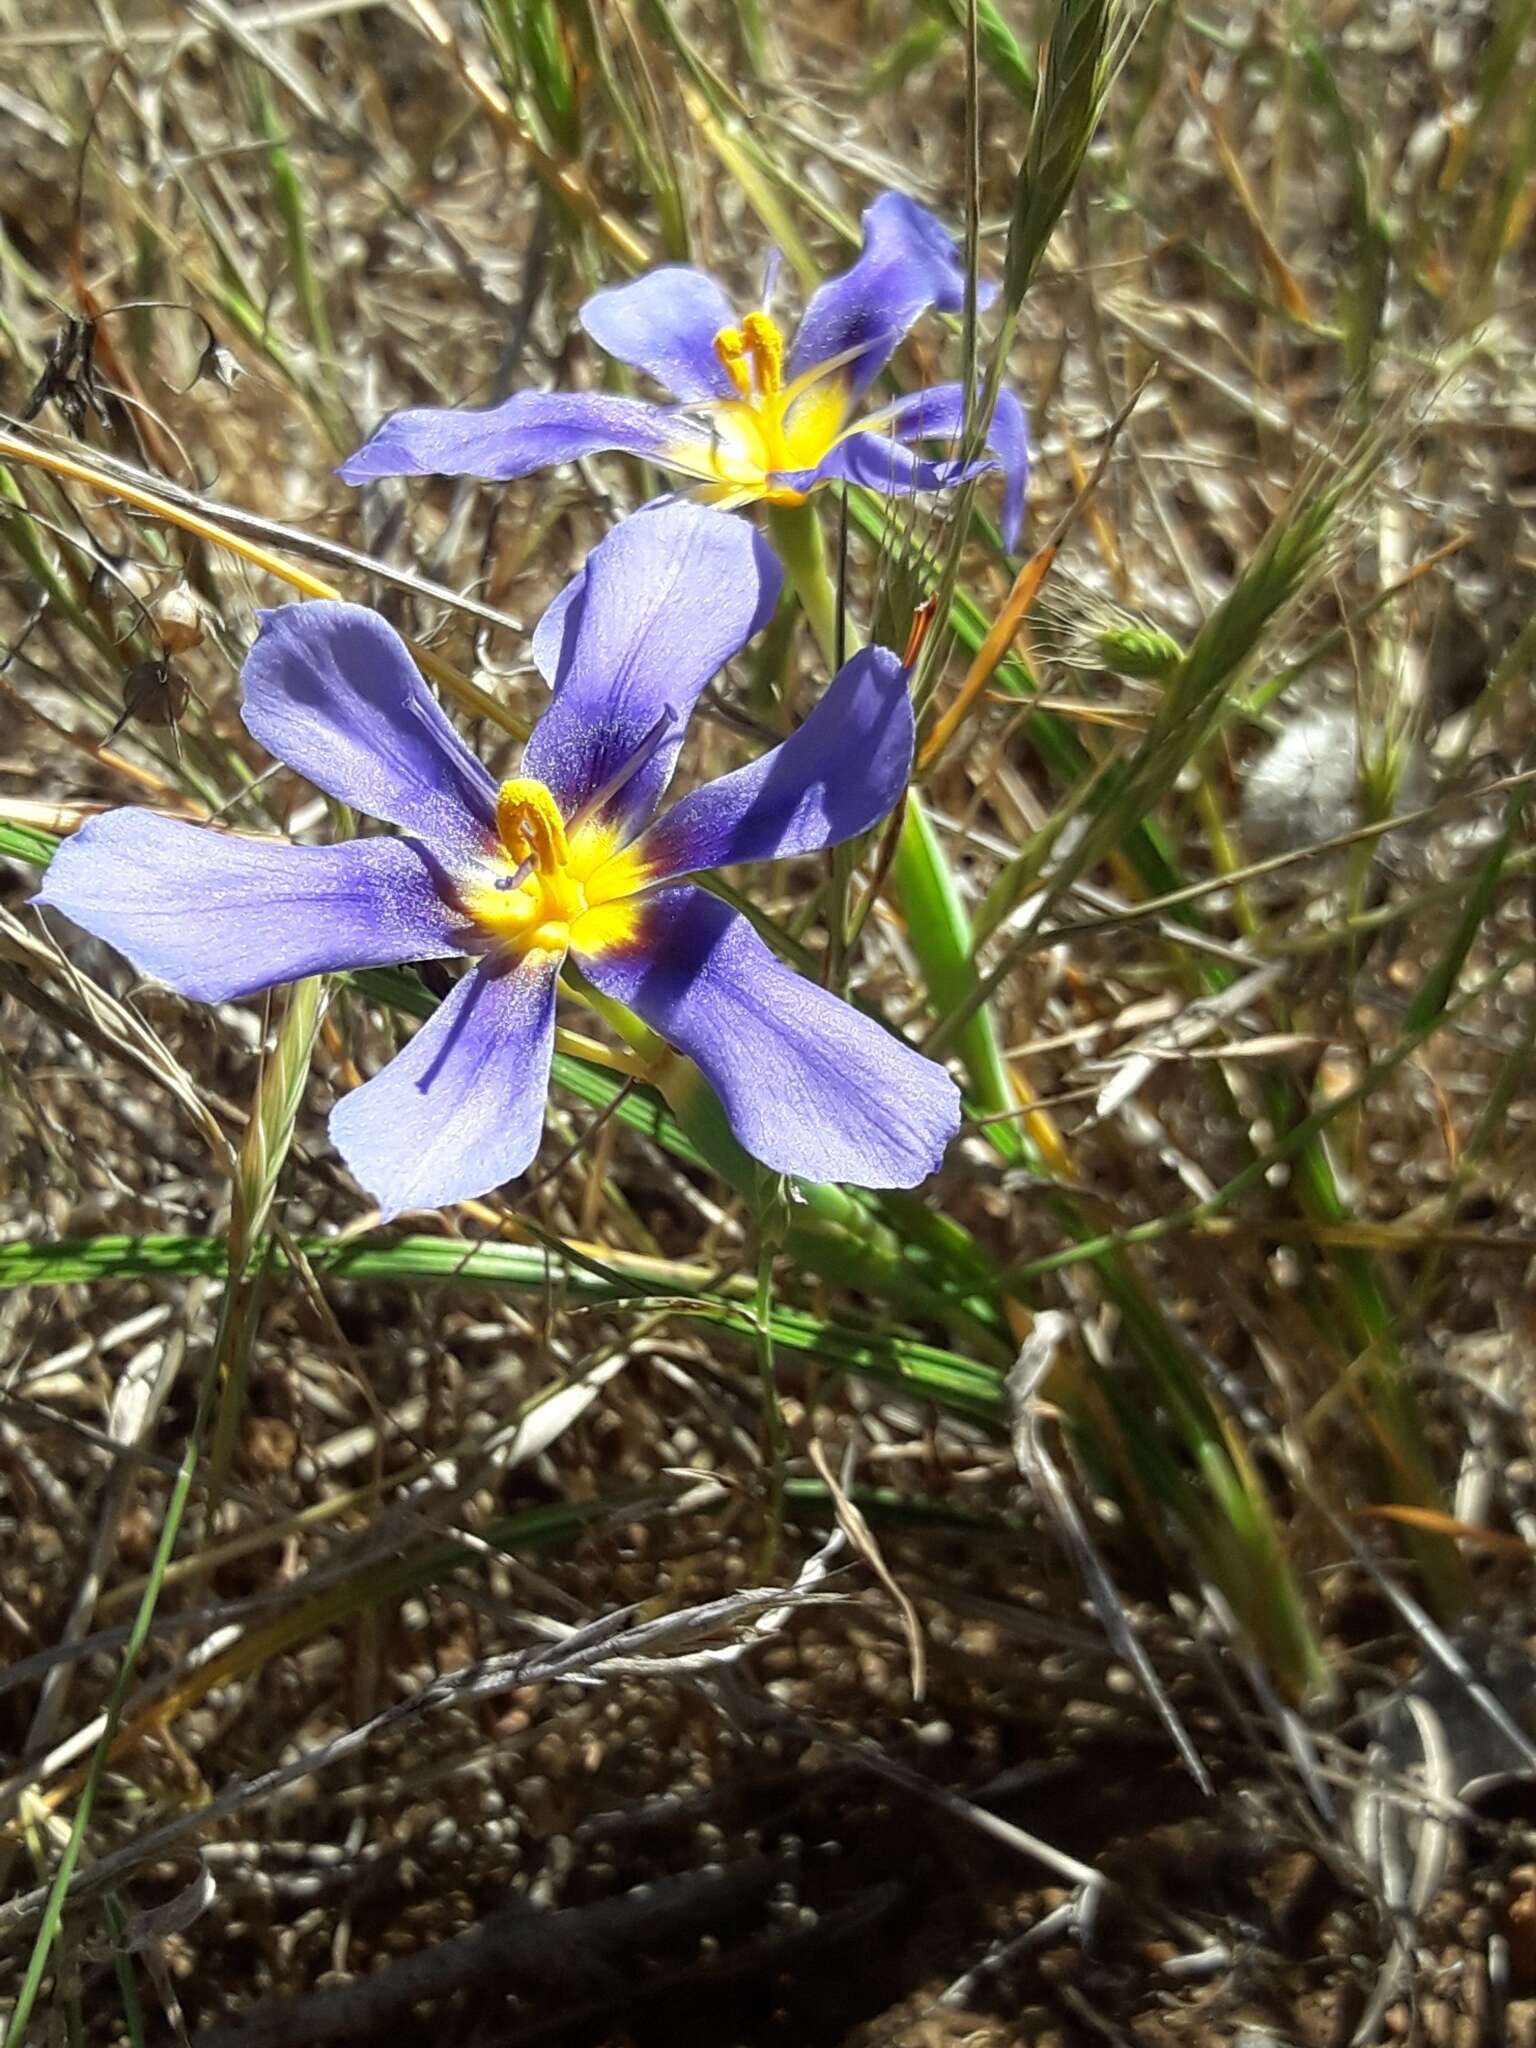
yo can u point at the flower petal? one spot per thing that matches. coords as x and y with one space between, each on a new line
811 1085
909 262
665 323
835 777
939 415
880 464
667 598
461 1109
881 461
531 430
332 690
219 917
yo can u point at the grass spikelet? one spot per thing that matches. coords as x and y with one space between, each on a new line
1138 650
1084 44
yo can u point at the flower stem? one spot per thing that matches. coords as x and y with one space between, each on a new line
797 536
650 1049
633 1066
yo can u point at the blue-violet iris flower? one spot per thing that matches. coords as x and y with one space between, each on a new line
756 418
569 856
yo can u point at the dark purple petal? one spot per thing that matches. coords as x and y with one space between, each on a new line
880 464
939 415
663 602
909 262
462 1108
332 690
834 777
218 917
811 1086
531 430
665 323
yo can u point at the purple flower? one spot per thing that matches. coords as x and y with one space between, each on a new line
756 420
568 857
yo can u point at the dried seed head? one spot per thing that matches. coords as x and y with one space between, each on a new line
217 364
136 579
1305 787
154 694
178 619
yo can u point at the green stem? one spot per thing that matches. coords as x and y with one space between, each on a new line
797 536
122 1963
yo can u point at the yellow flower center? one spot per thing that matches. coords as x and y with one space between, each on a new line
767 428
548 888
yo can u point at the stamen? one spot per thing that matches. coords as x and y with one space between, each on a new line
753 356
765 345
731 348
531 827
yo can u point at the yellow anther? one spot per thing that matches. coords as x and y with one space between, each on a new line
531 827
731 348
765 345
753 356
